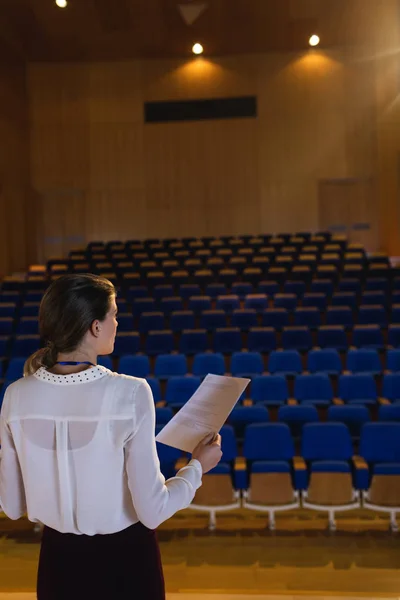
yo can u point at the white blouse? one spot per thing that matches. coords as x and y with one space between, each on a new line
79 454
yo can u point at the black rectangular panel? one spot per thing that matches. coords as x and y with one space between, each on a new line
200 110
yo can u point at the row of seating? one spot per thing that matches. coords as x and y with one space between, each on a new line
326 476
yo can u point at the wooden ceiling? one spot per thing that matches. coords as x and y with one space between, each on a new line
37 30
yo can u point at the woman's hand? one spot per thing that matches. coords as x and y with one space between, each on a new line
208 452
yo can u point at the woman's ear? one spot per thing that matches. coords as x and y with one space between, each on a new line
95 328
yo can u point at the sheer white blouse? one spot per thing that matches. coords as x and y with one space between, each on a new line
79 454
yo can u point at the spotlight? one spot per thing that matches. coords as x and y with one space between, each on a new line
61 3
197 49
314 40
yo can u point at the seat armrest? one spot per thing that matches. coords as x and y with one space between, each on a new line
383 401
359 463
299 463
338 402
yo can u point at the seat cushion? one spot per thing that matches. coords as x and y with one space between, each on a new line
387 469
270 466
330 466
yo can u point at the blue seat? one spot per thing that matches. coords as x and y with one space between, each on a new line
313 389
389 412
349 284
246 364
6 326
228 303
163 291
288 301
268 442
307 316
339 315
244 318
377 284
270 390
228 340
8 310
297 416
391 387
358 389
163 415
296 338
193 341
297 288
354 417
125 322
207 362
380 443
333 337
15 369
324 361
393 360
155 388
363 360
30 309
394 336
139 291
213 290
315 300
242 416
25 345
105 361
348 299
159 342
170 305
374 298
27 326
137 365
395 314
270 288
182 319
284 362
213 319
241 289
278 318
126 343
187 290
199 303
368 336
322 286
257 302
170 365
143 305
372 315
261 339
168 457
180 390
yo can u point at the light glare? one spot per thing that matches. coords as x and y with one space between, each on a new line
314 40
197 49
61 3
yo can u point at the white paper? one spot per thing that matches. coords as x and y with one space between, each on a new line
205 412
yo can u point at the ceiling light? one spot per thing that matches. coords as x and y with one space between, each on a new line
197 49
61 3
314 40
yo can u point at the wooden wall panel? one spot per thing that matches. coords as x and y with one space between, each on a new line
129 179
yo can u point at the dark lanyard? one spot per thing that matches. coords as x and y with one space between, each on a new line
74 364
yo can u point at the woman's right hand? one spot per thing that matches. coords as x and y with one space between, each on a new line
208 452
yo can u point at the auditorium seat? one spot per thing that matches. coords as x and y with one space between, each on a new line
324 361
270 288
307 316
105 361
278 318
180 390
228 303
155 387
125 322
159 342
363 360
380 449
193 341
297 416
126 343
315 300
322 286
163 415
241 289
15 369
348 284
168 457
182 319
170 365
394 336
213 290
372 315
246 364
270 390
242 416
163 291
187 290
208 362
30 309
358 389
257 302
391 387
228 340
339 315
8 310
327 450
368 336
313 389
261 339
285 362
213 319
333 337
347 299
287 301
296 338
170 305
6 326
137 365
143 305
297 288
389 412
25 345
354 417
244 318
199 303
269 451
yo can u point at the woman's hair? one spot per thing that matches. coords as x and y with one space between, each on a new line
67 311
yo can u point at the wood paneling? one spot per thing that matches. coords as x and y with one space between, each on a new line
125 179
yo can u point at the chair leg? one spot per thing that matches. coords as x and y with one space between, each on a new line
393 522
271 522
212 524
332 521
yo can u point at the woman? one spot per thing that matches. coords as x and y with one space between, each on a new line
79 455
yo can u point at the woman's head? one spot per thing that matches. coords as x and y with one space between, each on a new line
76 311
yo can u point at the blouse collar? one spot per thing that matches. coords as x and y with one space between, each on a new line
74 378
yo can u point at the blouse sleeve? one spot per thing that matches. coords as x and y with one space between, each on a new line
12 493
155 499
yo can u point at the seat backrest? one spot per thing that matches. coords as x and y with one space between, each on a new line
393 360
181 389
298 414
326 441
249 415
332 337
391 386
363 360
166 454
357 387
155 388
296 337
247 362
266 388
268 441
389 412
349 414
168 365
205 363
228 443
285 360
313 387
380 442
327 360
163 415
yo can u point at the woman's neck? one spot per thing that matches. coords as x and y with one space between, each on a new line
82 358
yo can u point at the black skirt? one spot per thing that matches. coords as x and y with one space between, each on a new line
124 565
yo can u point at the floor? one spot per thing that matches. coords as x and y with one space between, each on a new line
242 560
